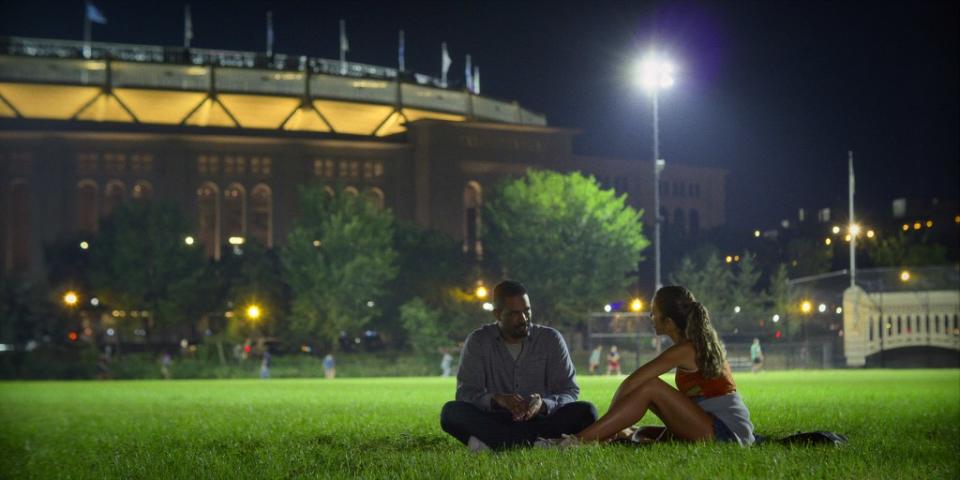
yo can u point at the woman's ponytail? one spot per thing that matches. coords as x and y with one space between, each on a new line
711 356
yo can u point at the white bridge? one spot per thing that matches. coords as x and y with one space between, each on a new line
878 321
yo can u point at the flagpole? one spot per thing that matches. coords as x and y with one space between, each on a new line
343 51
443 64
269 33
187 27
400 54
852 229
86 33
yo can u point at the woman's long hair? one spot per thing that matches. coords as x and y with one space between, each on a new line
693 322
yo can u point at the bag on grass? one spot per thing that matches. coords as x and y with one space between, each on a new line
814 438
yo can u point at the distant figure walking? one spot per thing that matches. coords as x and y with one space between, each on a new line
756 356
595 359
265 364
165 363
613 361
446 364
329 366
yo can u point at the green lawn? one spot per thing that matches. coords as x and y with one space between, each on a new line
901 424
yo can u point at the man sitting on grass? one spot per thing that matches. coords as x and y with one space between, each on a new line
516 381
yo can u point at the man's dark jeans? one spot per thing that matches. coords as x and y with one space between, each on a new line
498 430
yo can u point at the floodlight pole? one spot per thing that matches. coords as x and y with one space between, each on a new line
657 166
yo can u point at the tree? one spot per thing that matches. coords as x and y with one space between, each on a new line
903 251
744 294
449 269
568 240
808 256
431 328
254 276
338 260
140 262
710 281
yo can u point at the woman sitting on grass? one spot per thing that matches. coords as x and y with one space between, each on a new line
706 406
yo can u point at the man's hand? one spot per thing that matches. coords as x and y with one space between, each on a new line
533 406
511 402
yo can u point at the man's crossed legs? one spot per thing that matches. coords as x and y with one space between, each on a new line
498 430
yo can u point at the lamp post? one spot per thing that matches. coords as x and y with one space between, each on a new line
655 74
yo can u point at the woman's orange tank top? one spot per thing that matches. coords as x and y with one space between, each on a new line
692 384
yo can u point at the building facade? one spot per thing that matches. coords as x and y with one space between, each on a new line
229 137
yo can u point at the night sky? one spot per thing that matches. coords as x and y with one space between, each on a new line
775 93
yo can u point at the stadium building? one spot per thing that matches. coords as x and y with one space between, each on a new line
229 135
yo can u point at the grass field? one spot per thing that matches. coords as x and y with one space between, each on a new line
901 424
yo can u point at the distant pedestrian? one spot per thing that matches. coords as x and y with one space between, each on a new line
165 363
446 364
329 367
595 359
756 356
613 361
265 364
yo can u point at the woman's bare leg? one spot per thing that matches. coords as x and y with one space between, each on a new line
682 416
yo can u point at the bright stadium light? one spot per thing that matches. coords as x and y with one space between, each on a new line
655 72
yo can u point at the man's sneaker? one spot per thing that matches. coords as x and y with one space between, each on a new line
565 441
476 445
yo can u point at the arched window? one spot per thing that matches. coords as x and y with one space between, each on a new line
680 220
113 196
234 206
208 218
87 206
472 203
694 222
375 196
352 191
142 191
18 227
261 215
327 189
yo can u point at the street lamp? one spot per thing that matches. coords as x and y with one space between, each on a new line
70 298
656 73
254 312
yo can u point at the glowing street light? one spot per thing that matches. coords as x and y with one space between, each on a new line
905 276
806 306
756 233
607 308
835 230
736 309
828 241
822 308
636 305
254 312
871 234
655 73
776 317
70 298
481 291
855 229
188 240
84 245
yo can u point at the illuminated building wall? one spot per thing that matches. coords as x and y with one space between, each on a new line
230 145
